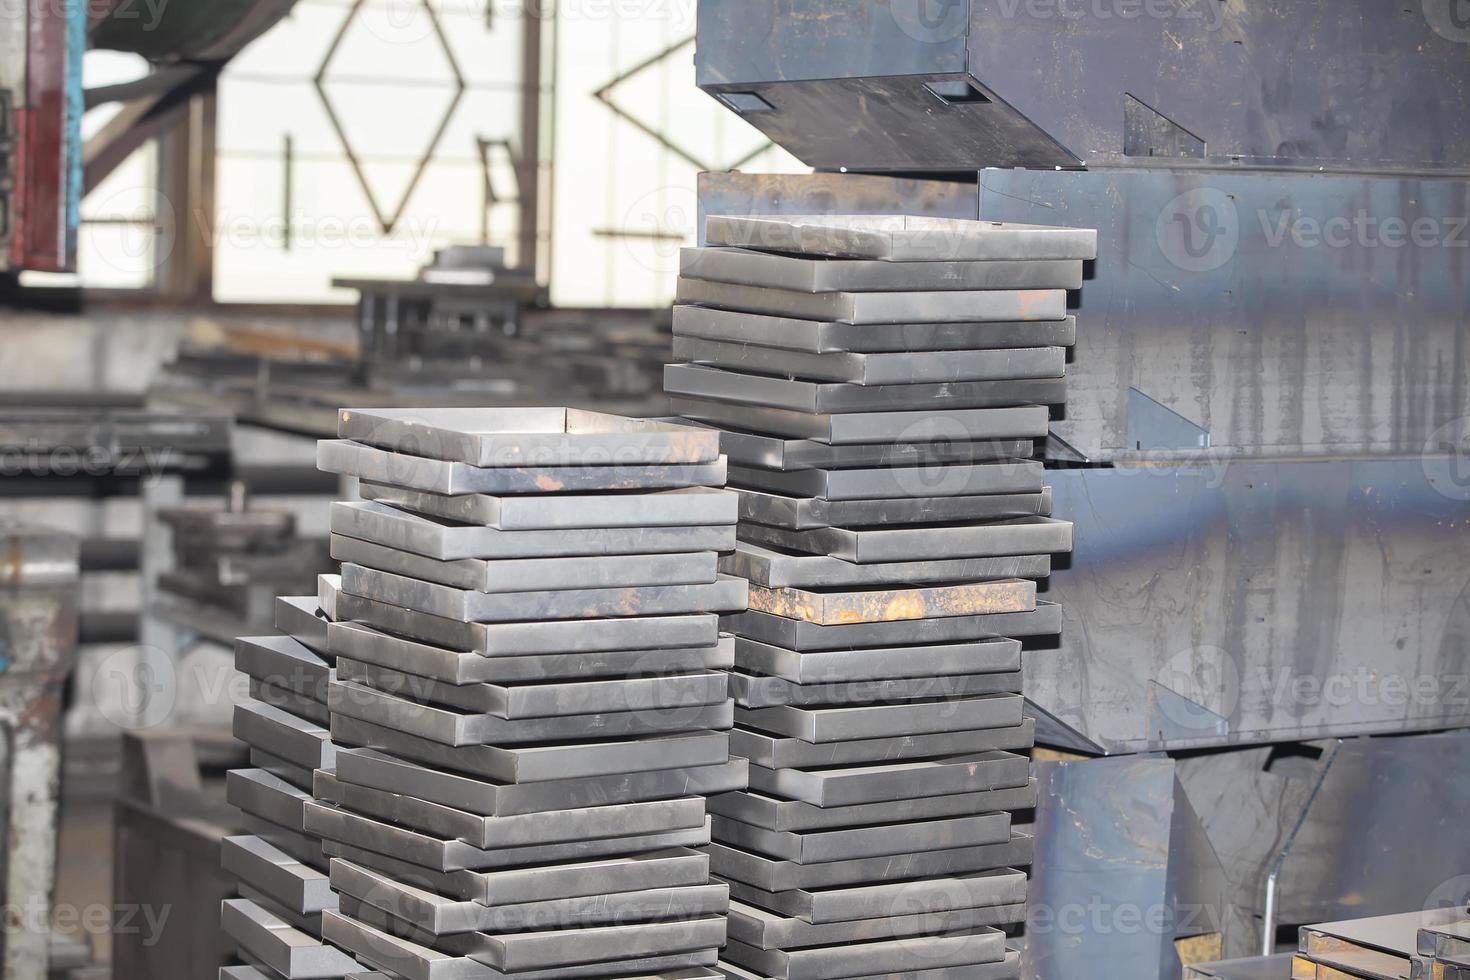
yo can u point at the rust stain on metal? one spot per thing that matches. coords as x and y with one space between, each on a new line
887 606
548 484
13 561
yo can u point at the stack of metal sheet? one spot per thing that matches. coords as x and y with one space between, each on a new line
284 887
531 697
1430 945
880 383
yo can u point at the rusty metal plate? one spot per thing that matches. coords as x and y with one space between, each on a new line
893 605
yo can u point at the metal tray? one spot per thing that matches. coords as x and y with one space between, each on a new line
1012 476
854 843
522 639
555 511
522 873
434 914
1045 620
715 384
967 425
645 691
454 728
367 645
774 813
782 570
841 724
871 545
900 238
524 830
774 752
447 541
526 437
955 306
456 777
532 574
807 336
300 742
284 663
833 608
857 785
723 595
440 476
753 692
752 267
842 891
928 367
807 513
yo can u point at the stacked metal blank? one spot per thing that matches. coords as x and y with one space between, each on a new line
879 384
1428 945
531 696
276 923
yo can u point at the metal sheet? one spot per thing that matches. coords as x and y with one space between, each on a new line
900 238
300 618
290 952
849 723
532 574
892 605
940 880
761 929
1012 476
781 815
827 336
828 276
550 512
507 744
438 476
447 541
857 785
774 453
723 595
855 843
413 961
285 663
970 949
1022 536
427 911
877 369
1045 620
299 887
816 397
328 590
886 307
462 784
969 425
807 513
525 874
662 692
298 776
752 692
526 437
537 638
520 830
288 701
772 752
780 569
295 740
268 797
367 645
842 666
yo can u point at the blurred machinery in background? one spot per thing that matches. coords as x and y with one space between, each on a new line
1264 443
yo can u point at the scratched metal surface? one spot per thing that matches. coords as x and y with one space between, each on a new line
1257 601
